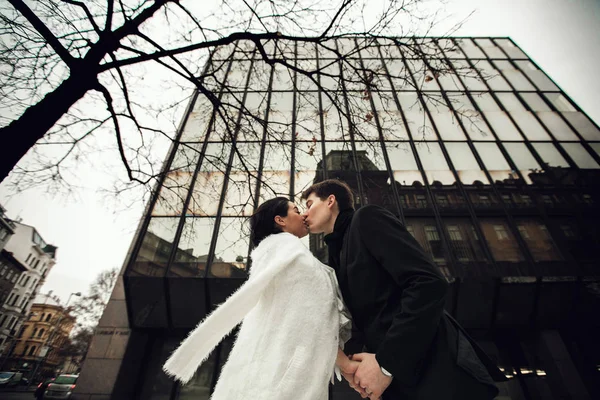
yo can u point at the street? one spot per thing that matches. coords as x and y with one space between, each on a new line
10 395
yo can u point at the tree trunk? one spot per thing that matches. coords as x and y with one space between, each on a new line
22 134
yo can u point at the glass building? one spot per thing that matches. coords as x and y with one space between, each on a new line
490 165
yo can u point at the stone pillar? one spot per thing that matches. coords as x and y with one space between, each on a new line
107 350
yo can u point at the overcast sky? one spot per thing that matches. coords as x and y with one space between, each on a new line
561 36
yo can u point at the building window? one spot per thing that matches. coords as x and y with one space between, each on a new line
568 231
28 257
22 330
25 350
442 200
10 274
431 233
33 283
454 232
32 350
526 200
15 299
36 264
48 317
12 322
15 277
3 320
421 201
3 270
34 332
547 200
32 261
501 233
523 232
484 200
40 333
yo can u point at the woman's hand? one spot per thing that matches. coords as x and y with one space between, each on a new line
348 368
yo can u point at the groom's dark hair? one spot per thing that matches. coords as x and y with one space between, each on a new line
341 191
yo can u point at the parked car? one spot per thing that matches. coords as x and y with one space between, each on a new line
39 391
10 378
62 387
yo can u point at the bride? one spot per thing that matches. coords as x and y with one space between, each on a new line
294 322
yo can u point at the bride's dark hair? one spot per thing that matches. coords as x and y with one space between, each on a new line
262 222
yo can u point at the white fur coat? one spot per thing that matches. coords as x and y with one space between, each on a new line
293 322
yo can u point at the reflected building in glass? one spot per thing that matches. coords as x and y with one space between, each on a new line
491 167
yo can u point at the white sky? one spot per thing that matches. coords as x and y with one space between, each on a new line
561 36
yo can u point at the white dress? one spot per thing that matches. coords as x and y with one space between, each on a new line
294 320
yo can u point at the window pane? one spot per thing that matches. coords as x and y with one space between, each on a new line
172 194
469 75
580 155
523 158
538 240
198 119
156 247
422 75
494 161
560 130
450 81
425 231
535 102
486 102
510 102
465 163
491 75
333 114
403 163
503 126
193 248
308 167
434 163
370 156
241 187
500 240
560 102
469 48
510 48
550 155
537 76
596 147
583 125
308 122
464 242
420 125
448 126
517 79
490 48
530 126
231 249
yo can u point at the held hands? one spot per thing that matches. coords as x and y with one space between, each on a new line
368 379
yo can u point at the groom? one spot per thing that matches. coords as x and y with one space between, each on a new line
396 295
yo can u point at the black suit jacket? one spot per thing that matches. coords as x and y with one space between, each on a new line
396 295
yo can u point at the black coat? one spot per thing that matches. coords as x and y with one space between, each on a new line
396 295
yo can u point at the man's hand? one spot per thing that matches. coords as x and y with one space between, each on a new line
368 376
348 371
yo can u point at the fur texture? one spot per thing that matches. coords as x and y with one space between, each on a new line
293 321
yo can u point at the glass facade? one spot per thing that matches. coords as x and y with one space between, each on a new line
491 167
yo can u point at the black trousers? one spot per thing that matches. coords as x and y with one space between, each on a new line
466 388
